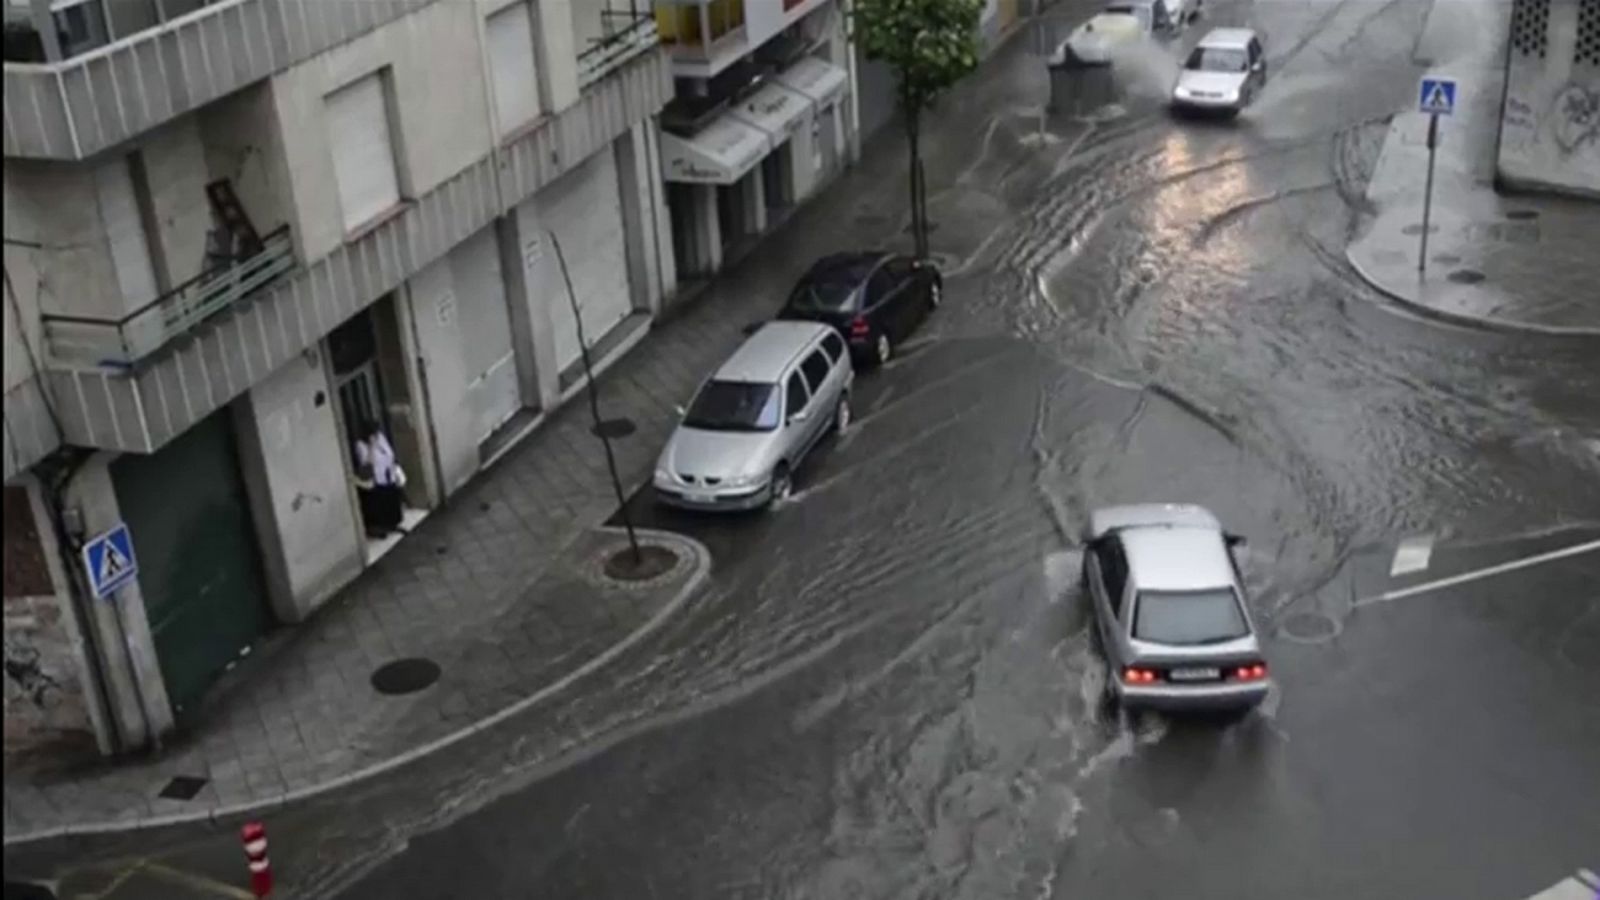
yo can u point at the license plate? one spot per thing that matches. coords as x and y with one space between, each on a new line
1195 674
698 497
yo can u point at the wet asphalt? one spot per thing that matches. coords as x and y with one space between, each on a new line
887 690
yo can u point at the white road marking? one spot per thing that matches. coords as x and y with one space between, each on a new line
1412 555
1480 574
1569 889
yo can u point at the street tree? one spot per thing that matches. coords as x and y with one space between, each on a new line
930 45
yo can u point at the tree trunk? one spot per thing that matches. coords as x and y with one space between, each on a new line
918 212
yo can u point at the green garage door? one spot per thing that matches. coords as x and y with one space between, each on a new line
199 568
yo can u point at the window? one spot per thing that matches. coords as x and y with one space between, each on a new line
816 368
828 290
734 406
880 286
363 155
1189 617
678 24
724 16
834 345
1217 59
796 395
1114 572
513 71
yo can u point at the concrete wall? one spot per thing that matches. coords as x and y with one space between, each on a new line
439 122
291 452
243 145
1550 127
51 708
55 206
175 164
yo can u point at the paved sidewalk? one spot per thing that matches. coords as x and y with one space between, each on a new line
1518 262
301 715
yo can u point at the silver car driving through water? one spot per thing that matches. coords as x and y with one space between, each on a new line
1169 605
750 425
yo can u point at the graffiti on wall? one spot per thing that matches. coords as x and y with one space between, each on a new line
1575 118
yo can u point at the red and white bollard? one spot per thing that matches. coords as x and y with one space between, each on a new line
254 836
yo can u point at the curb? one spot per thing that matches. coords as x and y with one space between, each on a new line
701 571
1482 323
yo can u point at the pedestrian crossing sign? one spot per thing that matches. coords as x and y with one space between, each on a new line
1437 96
109 562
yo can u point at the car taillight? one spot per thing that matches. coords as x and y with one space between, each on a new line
1135 675
1253 672
859 327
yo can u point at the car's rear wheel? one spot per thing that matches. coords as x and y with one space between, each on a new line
883 350
782 484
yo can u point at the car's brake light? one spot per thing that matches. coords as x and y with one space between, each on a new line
1253 672
1136 675
859 327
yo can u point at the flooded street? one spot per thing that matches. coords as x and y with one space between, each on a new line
889 689
889 692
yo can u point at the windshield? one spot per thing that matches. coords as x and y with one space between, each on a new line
1189 617
734 406
828 292
1216 59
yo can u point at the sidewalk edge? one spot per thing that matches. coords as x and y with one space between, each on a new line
1463 319
696 580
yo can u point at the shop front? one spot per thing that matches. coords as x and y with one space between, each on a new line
711 181
824 137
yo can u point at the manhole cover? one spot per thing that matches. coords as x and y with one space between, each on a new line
184 787
1310 627
1417 229
652 561
612 429
405 676
1522 215
1466 276
1446 259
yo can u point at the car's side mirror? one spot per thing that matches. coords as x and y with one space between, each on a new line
680 410
1235 540
1259 66
800 416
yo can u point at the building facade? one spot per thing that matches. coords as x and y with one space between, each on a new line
237 232
1550 114
763 116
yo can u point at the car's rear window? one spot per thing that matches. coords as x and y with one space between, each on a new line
830 291
734 406
1188 617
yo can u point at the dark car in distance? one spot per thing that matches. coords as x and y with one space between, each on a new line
875 299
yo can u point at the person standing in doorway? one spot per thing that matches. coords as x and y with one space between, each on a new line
380 481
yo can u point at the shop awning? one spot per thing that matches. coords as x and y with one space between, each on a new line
720 153
818 79
774 109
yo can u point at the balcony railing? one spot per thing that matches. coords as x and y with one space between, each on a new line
636 35
123 343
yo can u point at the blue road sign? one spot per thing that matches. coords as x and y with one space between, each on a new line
1437 96
109 561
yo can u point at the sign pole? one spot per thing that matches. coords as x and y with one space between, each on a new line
1427 197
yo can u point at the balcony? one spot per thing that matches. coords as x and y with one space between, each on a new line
73 108
122 344
624 34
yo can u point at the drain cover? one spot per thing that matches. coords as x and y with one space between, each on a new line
1310 627
652 561
405 676
612 429
1466 276
184 787
1522 215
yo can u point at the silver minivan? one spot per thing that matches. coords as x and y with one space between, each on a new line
750 424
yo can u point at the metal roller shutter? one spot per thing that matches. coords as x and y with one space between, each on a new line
363 156
585 209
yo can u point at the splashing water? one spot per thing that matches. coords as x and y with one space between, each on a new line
1145 69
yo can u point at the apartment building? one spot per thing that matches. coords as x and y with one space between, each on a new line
234 232
763 116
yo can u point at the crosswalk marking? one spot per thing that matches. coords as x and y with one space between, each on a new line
1412 555
1479 574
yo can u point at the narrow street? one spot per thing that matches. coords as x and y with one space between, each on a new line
888 689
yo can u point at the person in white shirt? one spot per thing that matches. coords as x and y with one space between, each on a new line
380 481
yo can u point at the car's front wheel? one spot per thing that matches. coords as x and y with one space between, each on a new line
883 350
782 484
841 414
935 294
